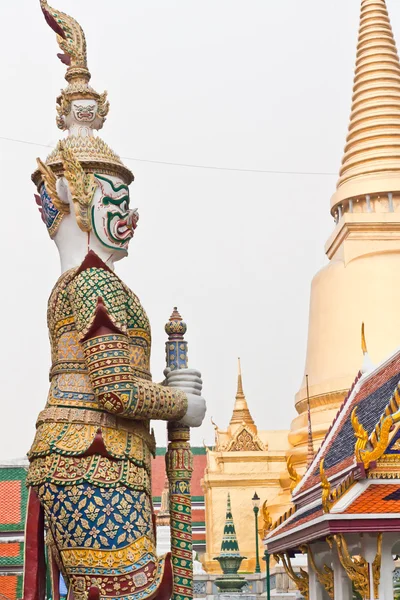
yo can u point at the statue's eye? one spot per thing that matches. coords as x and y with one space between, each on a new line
122 203
125 204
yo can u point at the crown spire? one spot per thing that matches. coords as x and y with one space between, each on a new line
371 162
72 42
241 413
80 111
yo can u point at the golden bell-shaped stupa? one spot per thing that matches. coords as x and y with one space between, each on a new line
359 283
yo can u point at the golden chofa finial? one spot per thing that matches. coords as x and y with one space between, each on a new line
295 478
267 525
326 489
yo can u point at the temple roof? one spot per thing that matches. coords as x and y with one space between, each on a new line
370 393
366 506
353 483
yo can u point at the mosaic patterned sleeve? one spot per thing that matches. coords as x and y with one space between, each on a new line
102 303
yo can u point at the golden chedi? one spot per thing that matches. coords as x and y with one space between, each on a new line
359 283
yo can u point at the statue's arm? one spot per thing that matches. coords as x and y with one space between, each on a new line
98 301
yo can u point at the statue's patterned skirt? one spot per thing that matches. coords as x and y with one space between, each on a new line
102 528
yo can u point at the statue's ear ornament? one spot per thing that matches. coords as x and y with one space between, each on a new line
52 209
50 181
82 187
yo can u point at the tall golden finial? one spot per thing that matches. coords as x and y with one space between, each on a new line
371 162
363 340
241 413
367 364
240 383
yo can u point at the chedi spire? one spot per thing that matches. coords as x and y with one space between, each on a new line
241 413
371 162
229 546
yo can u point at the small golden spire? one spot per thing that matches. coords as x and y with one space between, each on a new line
363 340
367 363
163 516
240 383
371 162
241 413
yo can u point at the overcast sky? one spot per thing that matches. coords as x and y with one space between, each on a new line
255 84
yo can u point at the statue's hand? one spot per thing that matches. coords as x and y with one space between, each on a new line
190 382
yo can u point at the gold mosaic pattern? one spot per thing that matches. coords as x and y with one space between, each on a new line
94 154
95 470
104 559
73 439
118 392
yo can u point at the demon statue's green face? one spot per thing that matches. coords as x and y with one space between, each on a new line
113 221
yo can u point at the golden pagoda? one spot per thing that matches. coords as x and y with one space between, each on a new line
359 283
243 460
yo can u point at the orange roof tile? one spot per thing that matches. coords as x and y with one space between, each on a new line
8 586
10 502
377 499
9 550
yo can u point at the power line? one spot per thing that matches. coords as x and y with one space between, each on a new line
190 165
